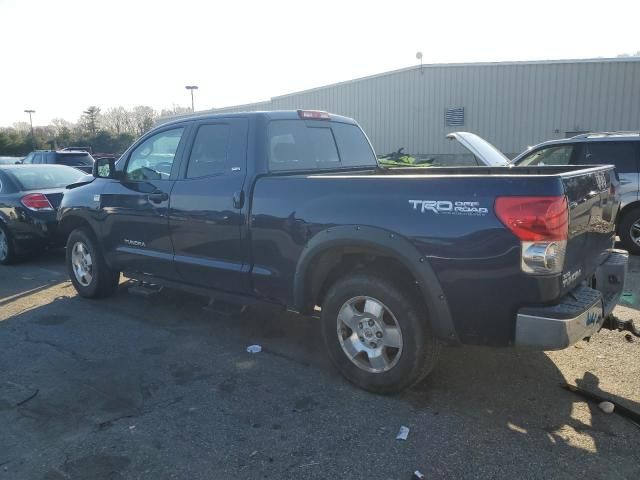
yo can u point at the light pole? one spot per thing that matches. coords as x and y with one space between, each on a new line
33 139
192 88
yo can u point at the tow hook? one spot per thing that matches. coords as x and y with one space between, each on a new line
614 323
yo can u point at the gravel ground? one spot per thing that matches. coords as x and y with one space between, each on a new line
158 387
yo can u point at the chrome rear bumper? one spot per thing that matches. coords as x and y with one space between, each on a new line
579 314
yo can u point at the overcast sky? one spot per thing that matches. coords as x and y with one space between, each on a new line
58 57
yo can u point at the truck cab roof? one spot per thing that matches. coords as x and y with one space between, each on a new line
267 115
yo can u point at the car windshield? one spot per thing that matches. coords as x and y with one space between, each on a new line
41 177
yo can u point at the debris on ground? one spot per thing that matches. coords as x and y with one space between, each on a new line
622 410
614 323
607 407
403 433
254 349
418 475
629 338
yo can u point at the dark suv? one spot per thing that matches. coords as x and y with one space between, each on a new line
72 158
621 149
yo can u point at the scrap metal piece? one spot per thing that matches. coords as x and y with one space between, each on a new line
622 410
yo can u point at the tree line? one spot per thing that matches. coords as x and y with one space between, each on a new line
111 131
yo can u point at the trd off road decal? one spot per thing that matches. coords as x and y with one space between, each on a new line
448 207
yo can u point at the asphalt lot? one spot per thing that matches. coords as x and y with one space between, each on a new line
157 387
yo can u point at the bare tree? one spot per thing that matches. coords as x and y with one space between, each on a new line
118 120
22 127
174 110
143 118
61 125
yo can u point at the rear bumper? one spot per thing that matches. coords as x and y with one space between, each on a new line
36 234
579 314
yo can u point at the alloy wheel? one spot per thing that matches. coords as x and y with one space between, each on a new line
82 264
4 245
634 233
369 334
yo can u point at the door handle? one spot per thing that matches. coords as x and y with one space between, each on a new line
238 199
158 197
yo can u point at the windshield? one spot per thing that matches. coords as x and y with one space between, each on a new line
43 177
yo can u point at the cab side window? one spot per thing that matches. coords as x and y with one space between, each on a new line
209 155
37 158
556 155
624 155
153 158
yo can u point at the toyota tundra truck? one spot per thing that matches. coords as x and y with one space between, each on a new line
291 209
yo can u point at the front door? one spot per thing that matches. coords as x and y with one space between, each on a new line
136 224
208 208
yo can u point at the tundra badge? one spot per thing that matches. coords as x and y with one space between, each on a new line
448 207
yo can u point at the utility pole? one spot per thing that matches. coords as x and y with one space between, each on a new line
191 88
33 139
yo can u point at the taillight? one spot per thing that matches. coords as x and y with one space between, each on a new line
542 225
36 202
313 115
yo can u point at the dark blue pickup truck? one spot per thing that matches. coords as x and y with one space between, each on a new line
292 209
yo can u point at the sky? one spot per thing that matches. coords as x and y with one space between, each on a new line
59 57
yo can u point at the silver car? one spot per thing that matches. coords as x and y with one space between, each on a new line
621 149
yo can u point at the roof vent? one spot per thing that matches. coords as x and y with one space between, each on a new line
454 117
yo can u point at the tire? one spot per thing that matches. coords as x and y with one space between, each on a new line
8 254
629 231
409 349
88 271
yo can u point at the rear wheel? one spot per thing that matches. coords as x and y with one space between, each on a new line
629 231
377 334
7 248
89 273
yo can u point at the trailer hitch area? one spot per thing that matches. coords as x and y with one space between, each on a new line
614 323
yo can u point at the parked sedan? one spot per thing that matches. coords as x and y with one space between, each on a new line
29 199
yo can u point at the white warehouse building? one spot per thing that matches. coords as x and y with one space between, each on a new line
511 104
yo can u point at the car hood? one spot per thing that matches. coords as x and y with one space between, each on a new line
481 149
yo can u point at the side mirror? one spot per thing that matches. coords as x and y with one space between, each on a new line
105 168
18 162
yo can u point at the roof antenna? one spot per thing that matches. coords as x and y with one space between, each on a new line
419 57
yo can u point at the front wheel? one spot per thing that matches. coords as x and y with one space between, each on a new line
89 273
377 333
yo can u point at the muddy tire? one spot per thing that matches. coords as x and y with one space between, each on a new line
377 333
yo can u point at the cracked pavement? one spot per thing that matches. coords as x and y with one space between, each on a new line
158 387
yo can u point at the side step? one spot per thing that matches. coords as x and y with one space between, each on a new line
144 289
227 309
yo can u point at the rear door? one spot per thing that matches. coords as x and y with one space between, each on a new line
625 156
209 205
136 208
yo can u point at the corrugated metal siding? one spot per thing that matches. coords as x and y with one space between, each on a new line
513 105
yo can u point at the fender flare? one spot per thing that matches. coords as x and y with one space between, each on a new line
396 247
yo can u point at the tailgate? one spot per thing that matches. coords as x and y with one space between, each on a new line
593 205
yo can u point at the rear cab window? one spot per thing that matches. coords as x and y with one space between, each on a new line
316 145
